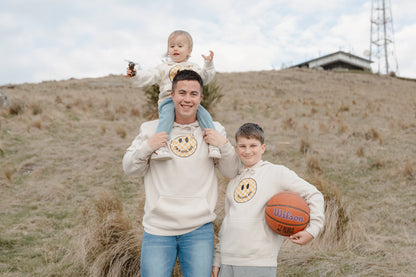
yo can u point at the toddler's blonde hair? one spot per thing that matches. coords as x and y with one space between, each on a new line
177 33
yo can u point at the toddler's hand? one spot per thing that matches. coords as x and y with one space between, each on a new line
210 57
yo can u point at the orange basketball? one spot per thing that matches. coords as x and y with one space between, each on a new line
287 213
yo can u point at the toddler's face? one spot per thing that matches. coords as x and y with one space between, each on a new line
250 150
179 48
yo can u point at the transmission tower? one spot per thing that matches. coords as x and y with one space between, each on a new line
382 49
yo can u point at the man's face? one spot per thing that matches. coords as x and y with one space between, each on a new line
187 96
249 150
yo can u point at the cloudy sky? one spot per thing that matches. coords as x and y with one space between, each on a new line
42 40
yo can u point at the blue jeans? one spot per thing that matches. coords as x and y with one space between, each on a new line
194 249
167 117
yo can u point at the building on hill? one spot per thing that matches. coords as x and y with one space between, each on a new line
338 61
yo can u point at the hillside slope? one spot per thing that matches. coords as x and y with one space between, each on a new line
61 145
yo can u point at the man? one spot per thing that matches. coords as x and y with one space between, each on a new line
181 193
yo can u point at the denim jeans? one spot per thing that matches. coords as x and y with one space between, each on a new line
194 250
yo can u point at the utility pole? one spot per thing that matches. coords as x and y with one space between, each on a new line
382 49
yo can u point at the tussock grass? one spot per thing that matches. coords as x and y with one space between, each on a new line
111 245
121 131
372 134
16 108
409 171
338 231
313 165
305 147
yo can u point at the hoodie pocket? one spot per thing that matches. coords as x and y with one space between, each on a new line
248 237
180 212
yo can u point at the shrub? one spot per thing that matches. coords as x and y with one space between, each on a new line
16 108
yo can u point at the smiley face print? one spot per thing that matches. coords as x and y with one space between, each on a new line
183 146
245 190
174 70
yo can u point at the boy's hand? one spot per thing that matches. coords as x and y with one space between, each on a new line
212 137
210 57
215 271
158 140
301 238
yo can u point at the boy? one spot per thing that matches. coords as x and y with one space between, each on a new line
247 246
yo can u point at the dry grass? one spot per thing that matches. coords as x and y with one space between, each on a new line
68 209
111 245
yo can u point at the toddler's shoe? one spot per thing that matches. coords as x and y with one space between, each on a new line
161 154
214 152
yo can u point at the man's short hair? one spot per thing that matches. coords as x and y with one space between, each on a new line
187 75
250 130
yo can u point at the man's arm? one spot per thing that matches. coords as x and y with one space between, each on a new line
136 158
229 162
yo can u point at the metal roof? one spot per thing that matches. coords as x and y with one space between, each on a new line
336 60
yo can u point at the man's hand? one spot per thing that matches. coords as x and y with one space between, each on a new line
158 140
212 137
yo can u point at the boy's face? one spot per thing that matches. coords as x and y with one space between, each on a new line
250 150
179 49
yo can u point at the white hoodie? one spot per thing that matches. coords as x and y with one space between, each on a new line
181 193
163 75
245 239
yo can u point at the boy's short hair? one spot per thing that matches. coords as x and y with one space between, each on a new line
188 75
250 130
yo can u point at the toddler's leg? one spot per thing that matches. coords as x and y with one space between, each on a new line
166 118
205 120
166 111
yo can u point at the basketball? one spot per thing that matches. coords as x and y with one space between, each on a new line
287 213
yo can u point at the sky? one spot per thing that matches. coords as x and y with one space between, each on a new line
45 40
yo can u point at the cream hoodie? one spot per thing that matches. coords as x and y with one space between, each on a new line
163 75
245 239
181 193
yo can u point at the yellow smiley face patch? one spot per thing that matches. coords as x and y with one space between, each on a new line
245 190
174 70
183 146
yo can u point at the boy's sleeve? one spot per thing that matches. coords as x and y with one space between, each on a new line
315 201
313 198
229 162
217 252
136 158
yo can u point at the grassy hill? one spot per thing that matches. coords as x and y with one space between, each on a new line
64 196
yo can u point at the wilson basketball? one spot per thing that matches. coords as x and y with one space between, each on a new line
287 213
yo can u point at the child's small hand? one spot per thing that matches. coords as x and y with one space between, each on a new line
130 73
301 238
215 271
210 57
